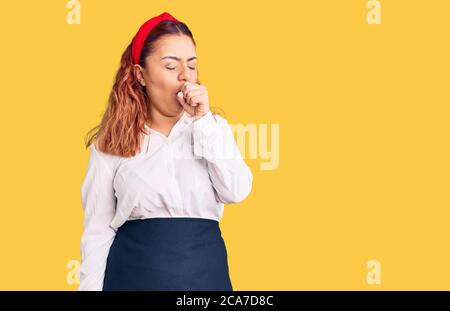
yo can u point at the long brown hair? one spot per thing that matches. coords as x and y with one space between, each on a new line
122 127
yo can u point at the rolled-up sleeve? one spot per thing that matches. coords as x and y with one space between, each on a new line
99 205
214 141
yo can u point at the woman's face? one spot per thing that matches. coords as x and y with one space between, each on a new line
172 63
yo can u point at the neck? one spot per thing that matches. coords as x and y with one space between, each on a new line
161 122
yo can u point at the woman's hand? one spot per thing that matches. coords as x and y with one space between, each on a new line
193 97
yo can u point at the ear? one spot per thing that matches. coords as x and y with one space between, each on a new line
139 74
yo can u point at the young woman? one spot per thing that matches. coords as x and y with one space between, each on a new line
160 170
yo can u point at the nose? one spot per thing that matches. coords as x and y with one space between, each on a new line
185 75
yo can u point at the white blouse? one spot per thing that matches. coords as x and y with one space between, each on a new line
191 173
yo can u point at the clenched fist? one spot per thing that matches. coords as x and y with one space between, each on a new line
193 97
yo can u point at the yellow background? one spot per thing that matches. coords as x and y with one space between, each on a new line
363 113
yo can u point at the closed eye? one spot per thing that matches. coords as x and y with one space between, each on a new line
175 67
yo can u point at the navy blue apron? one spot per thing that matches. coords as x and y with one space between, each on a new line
168 253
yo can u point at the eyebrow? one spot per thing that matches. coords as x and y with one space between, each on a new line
177 58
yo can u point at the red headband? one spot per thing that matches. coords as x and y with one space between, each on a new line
143 31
